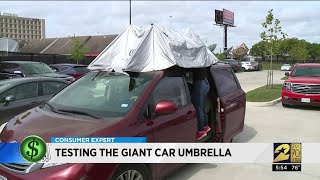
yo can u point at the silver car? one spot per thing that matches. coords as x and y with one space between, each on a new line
286 67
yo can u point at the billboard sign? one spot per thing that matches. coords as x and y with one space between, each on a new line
218 17
228 17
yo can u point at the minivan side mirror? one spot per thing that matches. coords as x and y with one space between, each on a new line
165 108
286 73
10 98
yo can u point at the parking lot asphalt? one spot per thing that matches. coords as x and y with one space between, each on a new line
264 125
255 79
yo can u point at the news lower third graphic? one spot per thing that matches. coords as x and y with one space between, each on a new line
287 157
33 148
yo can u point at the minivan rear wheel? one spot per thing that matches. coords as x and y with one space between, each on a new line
131 172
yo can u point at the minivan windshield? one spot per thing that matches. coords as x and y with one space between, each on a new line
101 94
306 71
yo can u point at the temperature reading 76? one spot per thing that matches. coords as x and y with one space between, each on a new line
295 167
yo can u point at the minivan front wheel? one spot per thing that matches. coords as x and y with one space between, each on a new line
132 172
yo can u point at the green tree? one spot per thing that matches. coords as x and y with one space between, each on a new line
299 51
286 45
313 50
259 49
77 50
221 56
272 36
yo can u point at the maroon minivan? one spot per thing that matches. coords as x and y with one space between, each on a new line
155 105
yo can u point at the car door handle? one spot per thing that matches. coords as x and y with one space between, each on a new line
149 123
191 115
233 104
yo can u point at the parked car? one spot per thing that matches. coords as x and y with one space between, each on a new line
256 65
31 69
20 94
74 70
286 67
221 63
246 66
235 64
156 105
302 86
8 76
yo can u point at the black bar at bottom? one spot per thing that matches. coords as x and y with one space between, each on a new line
286 167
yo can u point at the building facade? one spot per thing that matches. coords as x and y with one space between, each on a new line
21 28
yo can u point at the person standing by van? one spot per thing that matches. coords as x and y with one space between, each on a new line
199 93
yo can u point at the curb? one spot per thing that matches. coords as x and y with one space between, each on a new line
264 104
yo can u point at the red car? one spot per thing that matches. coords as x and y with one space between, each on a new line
74 70
156 105
302 86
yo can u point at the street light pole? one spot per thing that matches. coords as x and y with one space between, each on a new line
130 12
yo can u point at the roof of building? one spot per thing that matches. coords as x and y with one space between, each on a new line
37 45
67 64
20 62
93 44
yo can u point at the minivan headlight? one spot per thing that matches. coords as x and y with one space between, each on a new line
287 86
3 126
47 165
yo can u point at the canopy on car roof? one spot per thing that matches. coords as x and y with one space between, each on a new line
153 48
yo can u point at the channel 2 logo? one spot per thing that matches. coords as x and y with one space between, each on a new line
287 157
287 153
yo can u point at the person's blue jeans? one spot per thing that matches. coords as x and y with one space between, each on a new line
199 93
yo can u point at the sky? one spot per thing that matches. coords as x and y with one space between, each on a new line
64 18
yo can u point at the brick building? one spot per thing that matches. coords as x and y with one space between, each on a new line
21 28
